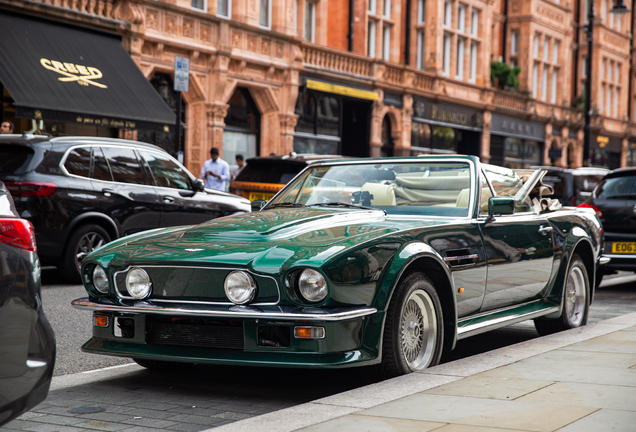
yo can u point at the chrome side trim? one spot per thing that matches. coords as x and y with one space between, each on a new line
287 313
228 303
482 327
458 258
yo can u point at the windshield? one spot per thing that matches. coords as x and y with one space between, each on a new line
429 188
617 188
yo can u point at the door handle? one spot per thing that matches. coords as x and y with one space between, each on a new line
544 230
108 192
168 199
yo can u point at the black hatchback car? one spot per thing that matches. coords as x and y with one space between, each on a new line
27 342
614 201
572 186
82 192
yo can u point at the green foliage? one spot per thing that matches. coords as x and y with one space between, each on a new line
503 76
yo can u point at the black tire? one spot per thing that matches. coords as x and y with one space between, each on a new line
80 243
576 301
414 328
158 365
599 278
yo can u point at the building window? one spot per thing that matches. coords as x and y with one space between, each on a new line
387 9
535 46
266 9
386 42
544 83
553 90
371 41
421 12
600 101
546 48
461 42
535 73
584 67
448 14
586 11
473 62
199 4
447 53
310 21
224 8
372 6
514 43
461 18
420 49
421 31
555 52
474 23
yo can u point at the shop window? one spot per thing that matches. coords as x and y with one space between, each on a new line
631 155
328 116
387 139
520 153
318 125
306 111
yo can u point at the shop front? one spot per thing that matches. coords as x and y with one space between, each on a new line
516 143
442 128
631 154
605 151
333 119
62 74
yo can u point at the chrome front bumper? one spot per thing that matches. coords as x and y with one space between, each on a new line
285 313
603 259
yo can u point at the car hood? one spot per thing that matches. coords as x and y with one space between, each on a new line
265 241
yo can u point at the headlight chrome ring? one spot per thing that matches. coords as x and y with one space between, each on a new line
240 287
138 283
312 285
100 279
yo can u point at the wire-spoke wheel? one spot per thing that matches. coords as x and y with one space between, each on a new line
81 242
413 329
576 301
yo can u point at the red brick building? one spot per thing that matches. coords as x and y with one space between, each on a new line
372 77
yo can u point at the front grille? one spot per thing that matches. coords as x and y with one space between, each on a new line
205 336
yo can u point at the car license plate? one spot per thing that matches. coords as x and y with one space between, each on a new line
624 247
260 196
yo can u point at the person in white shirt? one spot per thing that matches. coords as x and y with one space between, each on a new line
240 161
215 171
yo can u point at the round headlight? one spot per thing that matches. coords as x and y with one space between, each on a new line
312 285
240 288
138 283
100 280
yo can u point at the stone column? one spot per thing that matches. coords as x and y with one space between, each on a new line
215 113
287 127
375 141
403 144
624 150
485 138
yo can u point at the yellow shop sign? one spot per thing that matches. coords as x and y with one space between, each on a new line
71 72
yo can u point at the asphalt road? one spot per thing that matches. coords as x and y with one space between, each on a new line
616 296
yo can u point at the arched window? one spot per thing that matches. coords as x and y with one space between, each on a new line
242 127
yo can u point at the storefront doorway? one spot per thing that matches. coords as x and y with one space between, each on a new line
242 128
388 144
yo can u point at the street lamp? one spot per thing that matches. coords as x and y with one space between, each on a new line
619 8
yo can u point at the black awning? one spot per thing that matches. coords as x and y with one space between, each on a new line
69 74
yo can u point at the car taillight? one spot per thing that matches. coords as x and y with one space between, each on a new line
31 189
598 211
573 204
18 233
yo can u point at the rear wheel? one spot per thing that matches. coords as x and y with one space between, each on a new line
576 301
414 328
81 242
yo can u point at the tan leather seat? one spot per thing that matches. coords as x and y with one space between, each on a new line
464 195
383 195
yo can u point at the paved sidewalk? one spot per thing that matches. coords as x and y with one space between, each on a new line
579 380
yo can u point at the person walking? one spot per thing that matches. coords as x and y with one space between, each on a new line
240 161
6 127
215 171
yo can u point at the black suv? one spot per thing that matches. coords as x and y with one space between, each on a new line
614 201
82 192
572 186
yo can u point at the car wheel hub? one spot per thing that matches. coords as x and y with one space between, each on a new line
418 330
575 297
87 244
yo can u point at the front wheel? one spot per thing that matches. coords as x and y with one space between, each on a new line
576 301
81 242
414 328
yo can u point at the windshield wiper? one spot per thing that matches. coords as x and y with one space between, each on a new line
287 204
341 204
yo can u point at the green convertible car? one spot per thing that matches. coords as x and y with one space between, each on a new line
355 262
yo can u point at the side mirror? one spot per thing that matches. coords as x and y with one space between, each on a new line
258 205
501 206
198 185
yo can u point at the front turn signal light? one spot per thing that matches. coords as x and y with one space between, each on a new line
101 321
309 332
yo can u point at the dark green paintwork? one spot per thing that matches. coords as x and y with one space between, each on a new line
363 254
